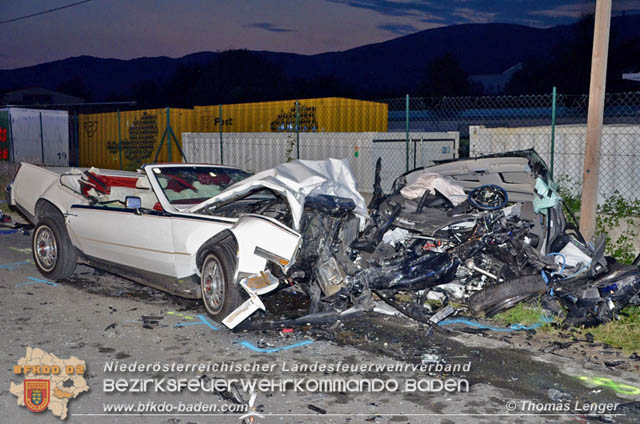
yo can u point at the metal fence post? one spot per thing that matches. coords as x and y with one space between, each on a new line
119 140
169 130
41 140
406 124
298 129
76 139
220 125
553 129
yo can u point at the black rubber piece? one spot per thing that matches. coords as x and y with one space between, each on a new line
522 288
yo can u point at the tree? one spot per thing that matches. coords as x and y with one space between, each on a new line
235 76
444 76
569 66
75 86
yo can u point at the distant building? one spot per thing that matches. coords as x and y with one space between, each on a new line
495 83
632 76
38 96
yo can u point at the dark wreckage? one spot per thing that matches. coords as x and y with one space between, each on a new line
488 232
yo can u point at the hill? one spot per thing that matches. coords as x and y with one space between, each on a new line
394 66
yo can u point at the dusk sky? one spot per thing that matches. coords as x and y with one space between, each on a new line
127 29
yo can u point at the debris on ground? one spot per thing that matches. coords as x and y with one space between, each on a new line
317 409
7 226
150 321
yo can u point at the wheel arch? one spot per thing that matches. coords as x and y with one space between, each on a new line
44 208
213 241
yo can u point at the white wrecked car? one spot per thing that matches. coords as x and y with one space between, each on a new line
488 231
159 226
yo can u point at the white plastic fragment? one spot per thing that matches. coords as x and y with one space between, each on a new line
397 235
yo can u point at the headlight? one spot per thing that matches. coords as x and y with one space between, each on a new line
271 256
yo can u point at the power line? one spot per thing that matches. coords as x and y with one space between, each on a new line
42 13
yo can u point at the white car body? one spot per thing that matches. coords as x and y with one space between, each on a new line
149 244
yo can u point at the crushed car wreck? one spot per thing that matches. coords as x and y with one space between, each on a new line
487 232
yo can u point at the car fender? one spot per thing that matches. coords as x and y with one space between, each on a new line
33 184
258 238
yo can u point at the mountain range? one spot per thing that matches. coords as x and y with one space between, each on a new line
395 66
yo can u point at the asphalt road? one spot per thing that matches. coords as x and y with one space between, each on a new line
98 318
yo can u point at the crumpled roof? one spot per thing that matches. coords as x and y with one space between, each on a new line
299 179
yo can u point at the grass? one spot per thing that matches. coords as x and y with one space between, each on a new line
523 313
623 333
4 181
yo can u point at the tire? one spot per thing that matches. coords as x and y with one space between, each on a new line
54 255
220 294
503 296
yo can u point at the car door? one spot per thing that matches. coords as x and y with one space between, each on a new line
125 237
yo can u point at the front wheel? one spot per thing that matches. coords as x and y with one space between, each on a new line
219 294
53 253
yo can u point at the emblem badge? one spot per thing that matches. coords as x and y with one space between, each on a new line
36 394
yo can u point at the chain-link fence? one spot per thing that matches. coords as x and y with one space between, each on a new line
554 125
406 132
317 129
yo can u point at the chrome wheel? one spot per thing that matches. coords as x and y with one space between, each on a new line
45 248
213 289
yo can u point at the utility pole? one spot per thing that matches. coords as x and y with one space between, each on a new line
594 119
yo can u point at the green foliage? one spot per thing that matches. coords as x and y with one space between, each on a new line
615 216
4 181
291 147
571 198
616 213
623 333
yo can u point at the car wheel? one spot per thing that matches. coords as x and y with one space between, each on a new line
54 255
219 293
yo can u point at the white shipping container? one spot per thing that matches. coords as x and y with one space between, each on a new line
40 137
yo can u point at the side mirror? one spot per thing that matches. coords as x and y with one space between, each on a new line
132 202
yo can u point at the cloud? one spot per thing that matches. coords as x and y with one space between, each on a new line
577 10
566 10
391 7
399 29
268 26
474 16
536 23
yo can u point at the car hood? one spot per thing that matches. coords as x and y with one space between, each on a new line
297 180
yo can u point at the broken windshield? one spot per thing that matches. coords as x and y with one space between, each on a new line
190 185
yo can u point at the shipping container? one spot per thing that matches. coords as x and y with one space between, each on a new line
126 140
36 136
329 114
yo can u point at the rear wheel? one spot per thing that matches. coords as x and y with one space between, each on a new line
54 255
219 293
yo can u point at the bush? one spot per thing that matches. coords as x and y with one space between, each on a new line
615 213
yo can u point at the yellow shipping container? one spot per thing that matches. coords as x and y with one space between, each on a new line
329 114
129 139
